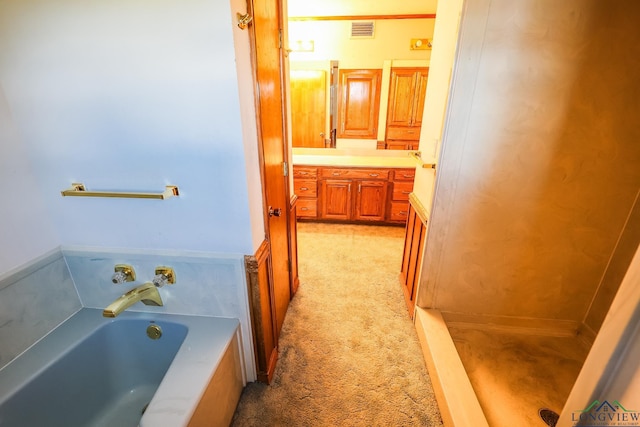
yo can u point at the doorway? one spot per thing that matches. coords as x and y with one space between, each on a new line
325 42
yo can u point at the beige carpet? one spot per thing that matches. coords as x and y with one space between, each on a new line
349 354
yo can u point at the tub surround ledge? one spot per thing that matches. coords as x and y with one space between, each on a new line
34 299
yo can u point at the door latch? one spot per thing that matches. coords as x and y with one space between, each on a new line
274 212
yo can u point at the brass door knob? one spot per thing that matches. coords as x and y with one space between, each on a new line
275 212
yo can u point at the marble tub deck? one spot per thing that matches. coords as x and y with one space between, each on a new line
515 374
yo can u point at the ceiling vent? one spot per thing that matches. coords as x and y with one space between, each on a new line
362 29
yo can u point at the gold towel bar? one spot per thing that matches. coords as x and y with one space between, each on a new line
79 190
417 155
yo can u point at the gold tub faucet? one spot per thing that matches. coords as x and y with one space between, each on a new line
147 293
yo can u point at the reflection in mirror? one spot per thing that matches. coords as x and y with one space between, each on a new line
357 113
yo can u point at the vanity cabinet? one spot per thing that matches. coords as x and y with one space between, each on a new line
359 103
353 194
414 243
305 186
407 90
402 186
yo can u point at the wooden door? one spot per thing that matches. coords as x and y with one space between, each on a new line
359 103
371 200
308 108
335 199
268 64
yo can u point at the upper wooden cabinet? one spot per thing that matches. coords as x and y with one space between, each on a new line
359 103
407 91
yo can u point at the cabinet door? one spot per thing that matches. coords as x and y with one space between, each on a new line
359 103
419 96
401 97
412 258
336 199
371 200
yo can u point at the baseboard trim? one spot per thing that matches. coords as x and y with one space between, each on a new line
586 335
512 324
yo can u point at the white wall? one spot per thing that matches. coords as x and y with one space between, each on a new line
129 95
26 231
332 41
360 7
445 38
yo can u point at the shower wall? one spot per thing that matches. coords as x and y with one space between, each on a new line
616 269
539 170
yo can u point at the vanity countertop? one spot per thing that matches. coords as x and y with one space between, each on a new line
356 158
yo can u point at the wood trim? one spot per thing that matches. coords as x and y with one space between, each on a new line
293 246
421 211
363 17
220 399
262 314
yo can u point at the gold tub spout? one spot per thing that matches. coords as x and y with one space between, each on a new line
147 293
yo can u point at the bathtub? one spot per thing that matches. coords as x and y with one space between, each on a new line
93 371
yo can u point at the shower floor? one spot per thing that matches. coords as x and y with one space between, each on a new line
516 374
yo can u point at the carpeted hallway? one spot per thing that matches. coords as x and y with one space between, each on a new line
349 354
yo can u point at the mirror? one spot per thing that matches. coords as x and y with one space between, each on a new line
343 69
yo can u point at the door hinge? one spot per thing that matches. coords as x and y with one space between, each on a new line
289 264
285 168
280 38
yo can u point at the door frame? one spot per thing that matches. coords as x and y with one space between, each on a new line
271 290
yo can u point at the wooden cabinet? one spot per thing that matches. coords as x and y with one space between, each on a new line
415 236
402 145
305 186
371 201
407 92
336 199
353 194
402 186
359 103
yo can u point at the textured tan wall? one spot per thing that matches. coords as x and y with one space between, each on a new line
537 188
616 269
